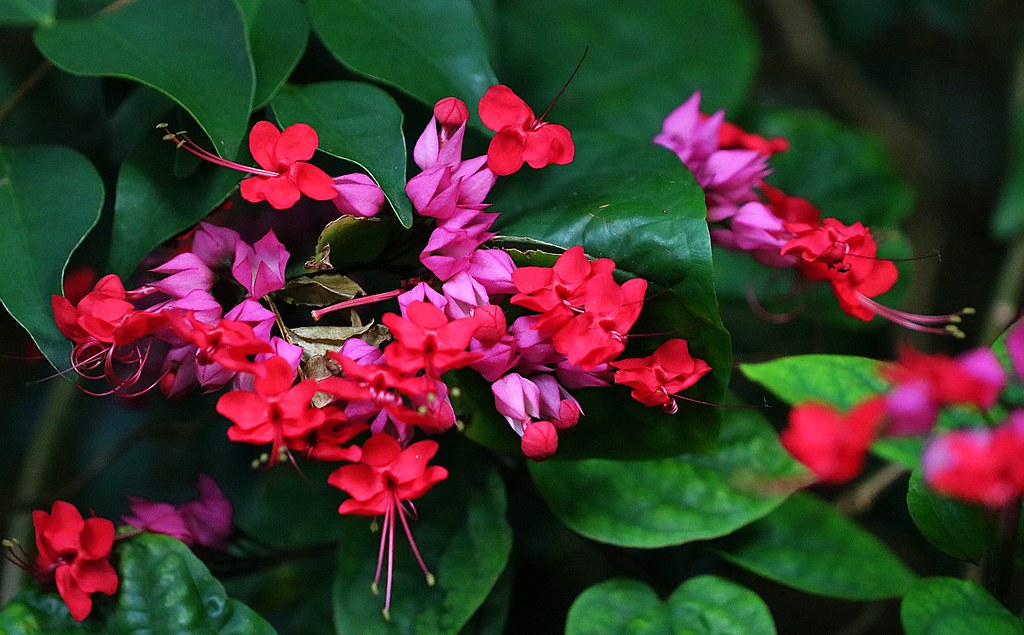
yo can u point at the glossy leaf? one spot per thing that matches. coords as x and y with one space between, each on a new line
672 501
808 545
27 12
429 49
212 73
357 122
278 33
635 203
163 583
962 530
465 541
33 612
638 67
706 604
42 187
947 606
152 204
853 177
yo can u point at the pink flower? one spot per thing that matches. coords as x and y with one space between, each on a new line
358 195
260 268
205 522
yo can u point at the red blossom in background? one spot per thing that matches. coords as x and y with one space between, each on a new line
657 377
521 136
981 465
74 553
831 444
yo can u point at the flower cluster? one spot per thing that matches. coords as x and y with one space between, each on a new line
206 318
749 215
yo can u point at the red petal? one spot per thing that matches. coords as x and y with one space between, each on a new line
298 142
313 182
505 153
64 529
281 192
244 408
380 450
500 107
540 440
262 139
97 538
94 575
78 601
548 144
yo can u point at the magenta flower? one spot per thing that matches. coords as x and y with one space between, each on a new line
204 522
358 195
260 268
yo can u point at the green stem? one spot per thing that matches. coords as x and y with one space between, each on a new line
53 419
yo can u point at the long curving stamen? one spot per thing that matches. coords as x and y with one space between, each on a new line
206 155
917 321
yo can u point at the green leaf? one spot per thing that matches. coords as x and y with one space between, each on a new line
463 537
620 88
854 179
194 51
278 33
808 545
671 501
164 585
947 606
635 203
963 531
152 204
705 604
357 122
27 12
35 612
429 49
42 187
1008 218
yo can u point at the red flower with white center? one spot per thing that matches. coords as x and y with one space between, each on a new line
74 553
655 379
521 136
276 411
384 482
831 444
426 340
283 176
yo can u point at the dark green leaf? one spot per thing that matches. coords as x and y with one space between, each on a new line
639 66
672 501
946 606
853 177
194 51
962 530
706 604
808 545
278 33
34 612
635 203
152 204
357 122
42 187
464 539
429 49
26 11
163 585
1008 219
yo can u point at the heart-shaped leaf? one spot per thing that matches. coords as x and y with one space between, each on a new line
42 187
211 75
702 605
357 122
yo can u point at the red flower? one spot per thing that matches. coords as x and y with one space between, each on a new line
75 554
386 477
831 444
228 342
657 377
275 411
557 292
521 135
732 137
598 334
427 340
791 209
286 175
981 465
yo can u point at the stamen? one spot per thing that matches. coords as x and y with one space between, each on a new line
565 85
206 155
917 321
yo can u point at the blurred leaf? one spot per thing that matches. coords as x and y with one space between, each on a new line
962 530
635 203
34 612
429 49
26 12
1008 218
465 541
639 67
212 73
671 501
152 204
806 544
357 122
43 187
840 380
164 585
278 33
706 604
947 606
853 177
